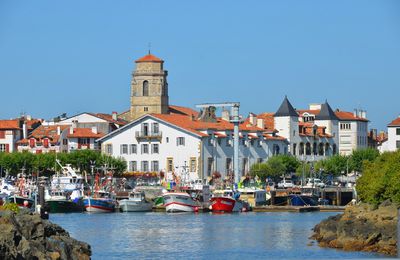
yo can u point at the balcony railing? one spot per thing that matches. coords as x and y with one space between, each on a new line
148 135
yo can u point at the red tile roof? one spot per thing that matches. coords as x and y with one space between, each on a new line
84 133
109 118
342 115
42 132
182 110
9 124
349 116
395 122
149 58
195 126
269 124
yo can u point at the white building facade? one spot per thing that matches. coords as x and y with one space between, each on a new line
188 147
393 141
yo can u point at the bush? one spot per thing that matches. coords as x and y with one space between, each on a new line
10 206
380 179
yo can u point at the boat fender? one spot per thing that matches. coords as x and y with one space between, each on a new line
196 209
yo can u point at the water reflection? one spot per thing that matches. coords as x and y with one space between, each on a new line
161 235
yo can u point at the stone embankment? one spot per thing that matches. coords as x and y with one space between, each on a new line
27 236
361 228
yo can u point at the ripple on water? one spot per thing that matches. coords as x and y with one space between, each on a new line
199 236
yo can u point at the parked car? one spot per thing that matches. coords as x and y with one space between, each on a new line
313 182
283 184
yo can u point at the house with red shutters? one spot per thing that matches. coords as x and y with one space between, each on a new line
10 133
45 139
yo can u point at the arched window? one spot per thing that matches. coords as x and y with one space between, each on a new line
308 149
275 149
314 148
301 149
327 149
321 149
145 88
334 149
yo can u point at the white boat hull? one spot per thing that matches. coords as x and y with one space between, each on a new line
134 206
177 207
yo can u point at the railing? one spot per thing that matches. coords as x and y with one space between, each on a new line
148 135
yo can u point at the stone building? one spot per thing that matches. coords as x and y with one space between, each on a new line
149 88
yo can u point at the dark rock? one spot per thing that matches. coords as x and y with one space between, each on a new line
362 228
27 236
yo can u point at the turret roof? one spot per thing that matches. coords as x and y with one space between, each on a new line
286 109
326 113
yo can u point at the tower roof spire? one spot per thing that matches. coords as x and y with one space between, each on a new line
286 109
326 113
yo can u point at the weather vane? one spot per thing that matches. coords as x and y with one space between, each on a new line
149 47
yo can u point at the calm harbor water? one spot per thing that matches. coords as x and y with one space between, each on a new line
199 236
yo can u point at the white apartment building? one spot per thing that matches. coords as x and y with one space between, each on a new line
185 143
10 133
393 141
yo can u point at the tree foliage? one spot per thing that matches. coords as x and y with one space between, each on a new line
380 179
358 157
45 163
274 168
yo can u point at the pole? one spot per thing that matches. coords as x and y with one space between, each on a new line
235 115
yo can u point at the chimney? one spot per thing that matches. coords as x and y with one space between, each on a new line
252 119
114 115
94 130
28 117
24 130
314 106
71 130
225 115
260 123
355 112
58 130
363 114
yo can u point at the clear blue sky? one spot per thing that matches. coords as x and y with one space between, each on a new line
76 56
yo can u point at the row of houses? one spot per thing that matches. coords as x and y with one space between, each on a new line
154 136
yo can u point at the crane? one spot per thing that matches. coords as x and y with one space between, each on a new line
235 119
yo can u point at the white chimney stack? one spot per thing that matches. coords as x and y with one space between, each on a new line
225 115
94 130
114 115
252 119
24 130
58 130
260 123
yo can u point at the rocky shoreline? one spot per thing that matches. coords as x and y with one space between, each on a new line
361 227
26 236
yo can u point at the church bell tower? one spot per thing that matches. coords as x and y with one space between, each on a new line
149 88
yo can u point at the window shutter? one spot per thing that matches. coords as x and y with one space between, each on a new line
7 148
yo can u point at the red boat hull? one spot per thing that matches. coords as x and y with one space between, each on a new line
222 204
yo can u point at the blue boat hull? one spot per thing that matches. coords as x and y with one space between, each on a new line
303 200
99 205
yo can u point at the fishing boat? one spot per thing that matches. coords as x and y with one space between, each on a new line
135 202
179 202
227 201
60 202
21 201
69 181
303 200
100 202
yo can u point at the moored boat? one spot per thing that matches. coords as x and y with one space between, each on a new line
59 202
96 204
227 201
135 203
21 201
179 202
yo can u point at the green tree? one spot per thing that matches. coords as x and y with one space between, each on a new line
380 179
336 165
358 157
290 162
262 170
277 168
